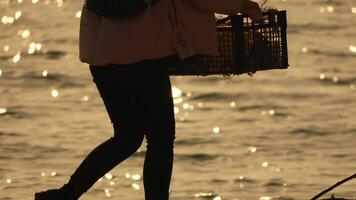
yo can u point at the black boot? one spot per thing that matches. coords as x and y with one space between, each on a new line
63 193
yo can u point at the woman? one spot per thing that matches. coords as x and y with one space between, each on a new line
128 59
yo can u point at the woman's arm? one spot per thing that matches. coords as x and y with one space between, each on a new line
231 7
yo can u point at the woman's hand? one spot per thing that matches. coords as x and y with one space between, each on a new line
253 10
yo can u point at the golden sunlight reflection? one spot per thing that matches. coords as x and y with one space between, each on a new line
352 48
216 130
135 186
176 92
203 194
265 198
43 174
0 72
55 93
18 14
322 76
78 14
107 193
112 183
6 48
108 176
353 10
7 20
217 198
265 164
53 173
24 33
136 177
85 98
44 73
16 58
176 110
232 104
305 49
35 1
252 149
8 180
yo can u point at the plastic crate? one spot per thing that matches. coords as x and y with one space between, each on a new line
245 47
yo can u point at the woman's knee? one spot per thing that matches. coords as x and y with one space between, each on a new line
131 138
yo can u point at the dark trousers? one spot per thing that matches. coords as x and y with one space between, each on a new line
138 100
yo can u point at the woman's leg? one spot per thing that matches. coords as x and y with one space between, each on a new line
123 107
160 137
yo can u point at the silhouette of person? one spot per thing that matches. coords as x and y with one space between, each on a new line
128 61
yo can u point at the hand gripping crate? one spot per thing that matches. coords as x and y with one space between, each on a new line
244 46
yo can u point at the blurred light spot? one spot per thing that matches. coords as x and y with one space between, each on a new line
200 104
203 194
176 110
85 98
44 73
191 107
265 198
186 106
136 177
3 111
108 176
18 14
78 14
322 76
112 183
330 9
136 186
107 193
127 175
176 92
217 198
8 180
265 164
100 179
305 49
352 48
35 1
54 93
19 1
16 58
335 79
189 94
233 104
0 72
177 100
352 86
24 33
59 3
53 173
6 48
7 20
252 149
353 10
216 130
43 174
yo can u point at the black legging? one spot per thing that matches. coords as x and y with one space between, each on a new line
139 102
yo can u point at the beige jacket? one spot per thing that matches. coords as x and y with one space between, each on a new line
182 27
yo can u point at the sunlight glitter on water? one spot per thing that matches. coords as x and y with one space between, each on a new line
136 186
55 93
16 58
176 92
44 73
352 48
353 10
6 48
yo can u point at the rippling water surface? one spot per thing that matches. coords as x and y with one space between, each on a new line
279 135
